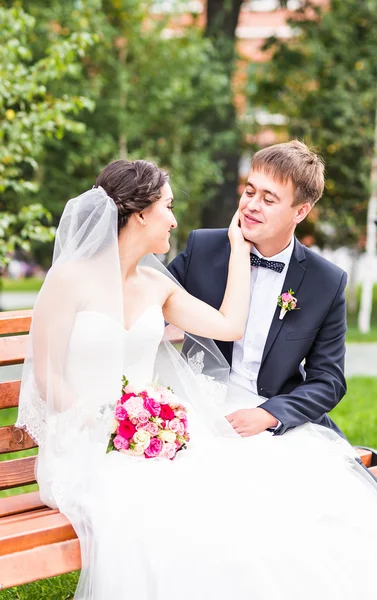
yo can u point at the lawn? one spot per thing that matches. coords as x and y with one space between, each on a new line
356 415
29 284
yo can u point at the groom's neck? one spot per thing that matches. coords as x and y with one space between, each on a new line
271 248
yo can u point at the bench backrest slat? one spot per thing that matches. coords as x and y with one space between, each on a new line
17 321
12 350
13 439
19 471
9 393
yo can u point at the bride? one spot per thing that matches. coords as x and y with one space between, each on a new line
290 517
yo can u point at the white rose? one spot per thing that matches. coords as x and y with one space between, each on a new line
153 393
138 450
167 436
142 438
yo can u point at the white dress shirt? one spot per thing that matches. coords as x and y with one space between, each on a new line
265 287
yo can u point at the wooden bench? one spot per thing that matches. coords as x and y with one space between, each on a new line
36 541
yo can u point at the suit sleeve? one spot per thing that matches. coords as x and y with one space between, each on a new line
178 267
325 384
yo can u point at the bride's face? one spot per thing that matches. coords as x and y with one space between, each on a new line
159 220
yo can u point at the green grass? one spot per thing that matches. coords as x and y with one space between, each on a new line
55 588
356 415
30 284
354 335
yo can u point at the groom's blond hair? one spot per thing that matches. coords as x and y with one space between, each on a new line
296 162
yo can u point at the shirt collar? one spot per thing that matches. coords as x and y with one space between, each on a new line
283 256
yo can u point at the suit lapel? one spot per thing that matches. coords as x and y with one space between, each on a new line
221 265
293 280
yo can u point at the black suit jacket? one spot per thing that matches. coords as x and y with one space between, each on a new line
315 334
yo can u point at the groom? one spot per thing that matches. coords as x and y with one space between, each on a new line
295 363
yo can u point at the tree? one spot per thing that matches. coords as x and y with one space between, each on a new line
29 115
371 238
221 23
323 80
153 95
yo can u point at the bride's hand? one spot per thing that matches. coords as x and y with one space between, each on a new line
235 235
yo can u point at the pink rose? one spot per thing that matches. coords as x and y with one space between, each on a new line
152 428
120 443
176 426
286 297
181 414
293 305
166 412
142 420
120 413
154 448
134 406
126 429
153 407
168 450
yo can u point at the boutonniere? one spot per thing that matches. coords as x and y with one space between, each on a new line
287 302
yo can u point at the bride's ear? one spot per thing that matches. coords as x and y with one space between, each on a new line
140 218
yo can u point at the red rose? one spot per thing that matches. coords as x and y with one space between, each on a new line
125 397
126 429
166 412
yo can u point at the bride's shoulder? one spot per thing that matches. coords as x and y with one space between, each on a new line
154 275
157 278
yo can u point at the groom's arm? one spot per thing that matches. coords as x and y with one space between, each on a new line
325 383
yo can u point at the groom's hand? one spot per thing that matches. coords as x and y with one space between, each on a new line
251 421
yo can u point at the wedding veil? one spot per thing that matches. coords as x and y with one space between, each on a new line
72 427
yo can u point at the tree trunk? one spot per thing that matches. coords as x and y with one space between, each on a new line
222 19
123 151
366 304
352 282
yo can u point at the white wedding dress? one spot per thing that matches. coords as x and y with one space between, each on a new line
289 517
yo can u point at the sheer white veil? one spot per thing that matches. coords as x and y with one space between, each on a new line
72 426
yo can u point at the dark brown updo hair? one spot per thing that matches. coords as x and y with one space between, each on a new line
133 185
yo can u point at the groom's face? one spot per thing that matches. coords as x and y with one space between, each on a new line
267 215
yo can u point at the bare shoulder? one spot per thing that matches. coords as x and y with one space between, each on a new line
158 279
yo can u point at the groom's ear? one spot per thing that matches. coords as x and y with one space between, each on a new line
302 211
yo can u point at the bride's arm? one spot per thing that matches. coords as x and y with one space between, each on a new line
229 322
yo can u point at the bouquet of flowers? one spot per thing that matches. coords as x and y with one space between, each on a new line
149 422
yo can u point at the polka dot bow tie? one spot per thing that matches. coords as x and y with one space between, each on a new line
274 265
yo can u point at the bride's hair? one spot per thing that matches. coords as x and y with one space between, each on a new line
133 185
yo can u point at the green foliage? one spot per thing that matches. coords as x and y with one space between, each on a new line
19 231
28 112
324 80
156 97
29 115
